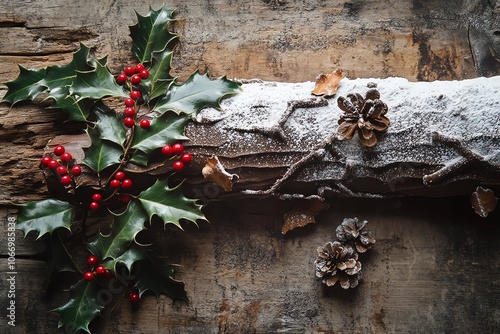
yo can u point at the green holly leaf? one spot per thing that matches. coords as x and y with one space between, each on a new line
123 231
59 77
44 216
140 158
157 277
196 93
128 258
159 74
97 83
150 33
101 153
58 259
169 204
25 86
76 110
109 125
85 303
165 129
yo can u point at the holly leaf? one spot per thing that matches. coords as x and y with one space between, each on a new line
97 83
158 278
165 129
83 306
101 153
159 74
140 158
58 259
169 204
196 93
128 258
76 110
109 126
123 231
150 33
25 86
44 216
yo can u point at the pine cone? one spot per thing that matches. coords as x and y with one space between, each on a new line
353 231
338 263
364 114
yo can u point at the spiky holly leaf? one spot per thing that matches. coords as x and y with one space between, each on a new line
165 129
59 77
128 258
159 74
196 93
101 153
140 158
169 204
84 304
25 86
44 216
109 126
150 33
97 83
58 259
76 110
157 277
123 231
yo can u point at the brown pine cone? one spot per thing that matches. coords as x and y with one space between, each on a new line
338 263
353 231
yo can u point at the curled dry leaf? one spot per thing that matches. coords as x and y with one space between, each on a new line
215 172
302 215
483 201
327 84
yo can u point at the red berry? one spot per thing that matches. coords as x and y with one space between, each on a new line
129 111
129 122
167 150
53 164
121 78
126 198
46 160
135 94
61 170
135 79
114 183
178 165
139 68
59 150
129 70
145 123
76 170
186 158
119 175
107 274
178 148
88 276
144 74
100 270
94 206
66 180
96 197
66 157
134 297
129 102
127 183
92 260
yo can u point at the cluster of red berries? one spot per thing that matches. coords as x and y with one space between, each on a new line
177 149
119 181
62 165
99 270
136 74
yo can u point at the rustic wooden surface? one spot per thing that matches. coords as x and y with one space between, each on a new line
435 268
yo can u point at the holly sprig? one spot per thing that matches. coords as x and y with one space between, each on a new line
145 133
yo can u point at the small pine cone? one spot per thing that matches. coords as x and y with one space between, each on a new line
353 231
338 263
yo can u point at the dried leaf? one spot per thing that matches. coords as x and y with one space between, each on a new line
483 201
215 172
302 215
327 84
